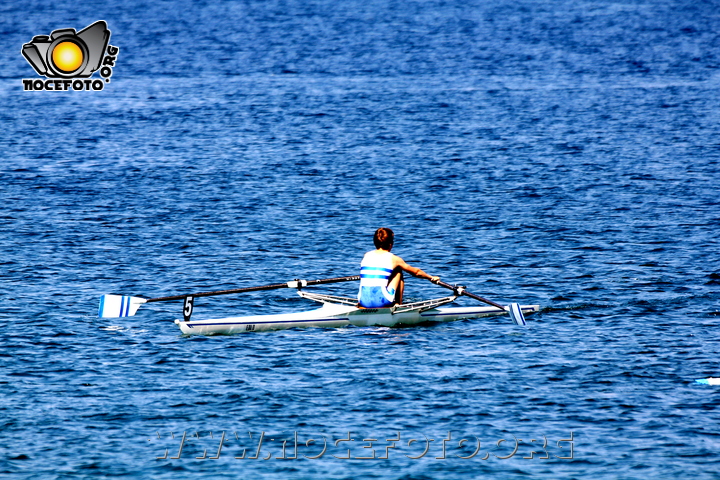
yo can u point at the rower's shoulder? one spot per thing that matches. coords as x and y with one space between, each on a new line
397 260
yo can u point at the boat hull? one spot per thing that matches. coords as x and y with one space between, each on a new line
335 316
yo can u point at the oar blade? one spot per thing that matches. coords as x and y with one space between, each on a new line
516 314
114 306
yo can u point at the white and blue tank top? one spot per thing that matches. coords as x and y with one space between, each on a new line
375 271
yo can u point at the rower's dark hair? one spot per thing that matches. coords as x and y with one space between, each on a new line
384 238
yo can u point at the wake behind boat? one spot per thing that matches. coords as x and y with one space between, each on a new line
335 312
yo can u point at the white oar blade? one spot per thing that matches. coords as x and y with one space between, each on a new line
516 314
113 306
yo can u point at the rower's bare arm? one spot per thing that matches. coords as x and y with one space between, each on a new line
414 271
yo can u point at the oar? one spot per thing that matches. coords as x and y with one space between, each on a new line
112 306
513 309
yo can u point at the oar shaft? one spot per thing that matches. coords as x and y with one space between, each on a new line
219 292
471 295
485 300
256 289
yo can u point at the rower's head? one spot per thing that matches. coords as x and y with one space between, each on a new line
384 238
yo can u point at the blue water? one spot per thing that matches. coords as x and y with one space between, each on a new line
544 152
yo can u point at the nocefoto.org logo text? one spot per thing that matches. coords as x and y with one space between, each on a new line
68 59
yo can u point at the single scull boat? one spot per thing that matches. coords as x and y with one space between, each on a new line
335 312
341 312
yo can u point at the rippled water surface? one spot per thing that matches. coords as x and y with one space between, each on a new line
544 152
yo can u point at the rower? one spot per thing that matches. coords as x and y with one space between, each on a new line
381 274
